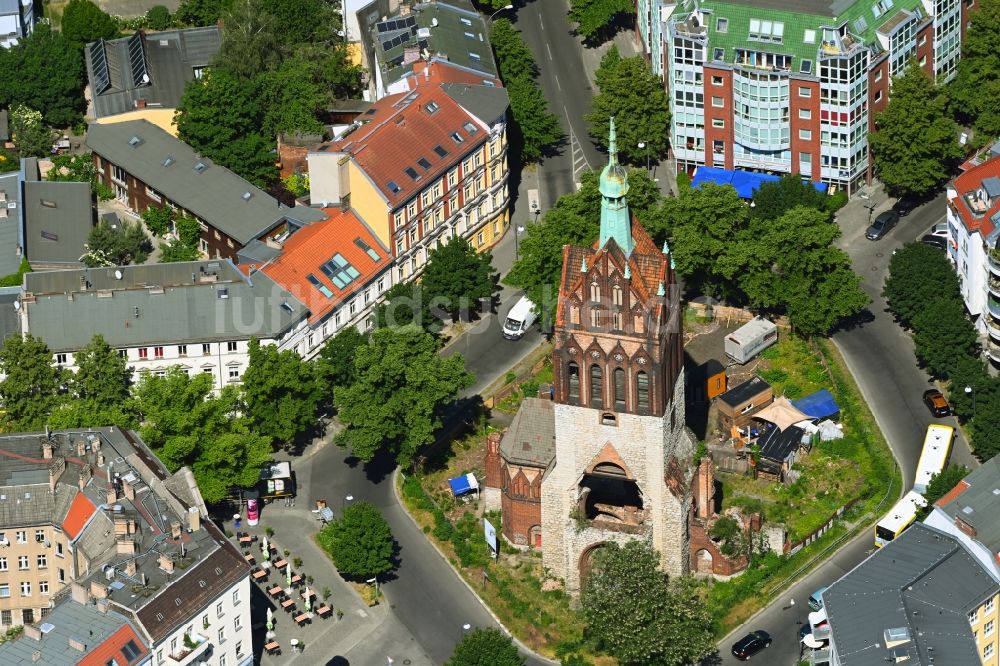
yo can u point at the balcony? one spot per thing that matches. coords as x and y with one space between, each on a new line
993 328
195 645
992 350
993 306
994 261
820 657
994 285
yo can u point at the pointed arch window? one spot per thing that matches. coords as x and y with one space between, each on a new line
617 322
616 296
642 392
595 291
596 389
639 323
574 314
619 377
595 317
573 375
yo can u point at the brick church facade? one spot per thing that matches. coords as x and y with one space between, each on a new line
609 458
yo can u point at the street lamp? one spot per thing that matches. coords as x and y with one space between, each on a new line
348 498
465 628
970 392
642 146
518 230
502 9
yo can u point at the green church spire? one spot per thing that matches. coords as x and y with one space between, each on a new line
615 219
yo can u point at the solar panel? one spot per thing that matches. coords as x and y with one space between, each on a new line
410 21
137 59
99 61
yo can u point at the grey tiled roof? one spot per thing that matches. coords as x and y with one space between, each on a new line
10 225
174 305
923 581
531 437
979 504
169 58
488 103
10 321
215 194
58 218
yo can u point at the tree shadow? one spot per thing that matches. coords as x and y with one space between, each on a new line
380 466
463 418
713 659
338 661
853 322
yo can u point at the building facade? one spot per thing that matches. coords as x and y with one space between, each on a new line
973 218
609 458
795 90
421 167
17 20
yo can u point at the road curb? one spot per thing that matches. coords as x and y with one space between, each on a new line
517 641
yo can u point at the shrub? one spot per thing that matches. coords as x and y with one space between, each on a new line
158 18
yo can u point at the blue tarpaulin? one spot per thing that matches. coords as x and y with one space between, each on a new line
744 182
463 484
819 405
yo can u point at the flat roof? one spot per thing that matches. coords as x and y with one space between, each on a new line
740 393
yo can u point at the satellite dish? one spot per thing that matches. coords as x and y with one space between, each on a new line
118 274
17 305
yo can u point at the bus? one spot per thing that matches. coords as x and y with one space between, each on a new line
937 446
899 518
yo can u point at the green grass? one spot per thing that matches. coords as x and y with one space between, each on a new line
526 389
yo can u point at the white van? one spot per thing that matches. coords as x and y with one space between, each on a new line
519 319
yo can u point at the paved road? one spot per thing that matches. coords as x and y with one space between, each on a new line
880 356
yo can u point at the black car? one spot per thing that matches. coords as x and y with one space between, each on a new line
904 205
935 241
751 644
882 224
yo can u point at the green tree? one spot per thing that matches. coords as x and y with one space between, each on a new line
940 484
774 199
335 363
459 277
360 542
84 22
29 133
727 531
401 388
175 250
485 647
103 379
158 18
44 71
942 335
638 615
538 128
985 427
31 387
976 87
634 97
969 371
201 12
915 144
158 219
116 245
220 116
304 21
250 44
513 56
404 304
596 19
917 274
280 393
188 231
231 459
292 98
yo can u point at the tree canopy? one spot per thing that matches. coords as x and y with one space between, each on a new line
940 484
401 388
116 244
915 143
334 366
201 12
84 22
44 71
280 393
976 87
596 19
638 615
774 199
29 133
458 277
917 274
942 335
31 387
360 542
101 388
634 96
403 304
485 647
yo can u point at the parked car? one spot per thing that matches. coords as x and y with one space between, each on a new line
940 230
904 205
936 403
815 601
253 512
882 224
751 644
939 242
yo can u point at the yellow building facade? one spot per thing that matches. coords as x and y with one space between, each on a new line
984 623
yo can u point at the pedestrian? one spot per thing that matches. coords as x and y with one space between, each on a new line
236 520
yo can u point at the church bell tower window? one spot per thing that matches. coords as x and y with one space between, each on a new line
596 392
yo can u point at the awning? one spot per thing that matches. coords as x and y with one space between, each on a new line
744 182
810 642
463 484
781 413
819 405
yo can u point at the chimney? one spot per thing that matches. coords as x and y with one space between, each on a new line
175 529
85 475
194 519
95 443
129 490
36 655
166 564
77 645
130 567
705 489
55 471
102 606
81 446
126 546
32 632
121 525
140 104
79 593
98 590
112 494
47 449
100 458
965 528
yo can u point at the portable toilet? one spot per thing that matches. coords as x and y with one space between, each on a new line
751 339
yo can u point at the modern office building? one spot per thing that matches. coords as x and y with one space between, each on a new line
792 87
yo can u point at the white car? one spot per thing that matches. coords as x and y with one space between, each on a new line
940 230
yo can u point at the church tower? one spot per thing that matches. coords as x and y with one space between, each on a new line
622 463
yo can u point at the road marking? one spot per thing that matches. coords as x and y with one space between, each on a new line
540 22
549 51
558 85
577 156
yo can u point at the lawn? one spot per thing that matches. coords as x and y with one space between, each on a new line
527 388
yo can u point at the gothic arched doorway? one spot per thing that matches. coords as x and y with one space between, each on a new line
587 561
703 563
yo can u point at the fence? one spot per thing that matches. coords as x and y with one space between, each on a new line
791 549
731 315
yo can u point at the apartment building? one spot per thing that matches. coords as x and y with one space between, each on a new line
198 315
421 166
922 599
17 20
973 217
147 166
91 517
793 87
968 513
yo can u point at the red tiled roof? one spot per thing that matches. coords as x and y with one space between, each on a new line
102 654
79 513
401 129
950 496
968 182
442 72
315 244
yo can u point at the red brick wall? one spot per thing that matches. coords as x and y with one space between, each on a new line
877 88
494 465
926 52
810 105
699 541
520 505
725 114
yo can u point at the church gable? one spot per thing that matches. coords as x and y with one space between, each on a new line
607 460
